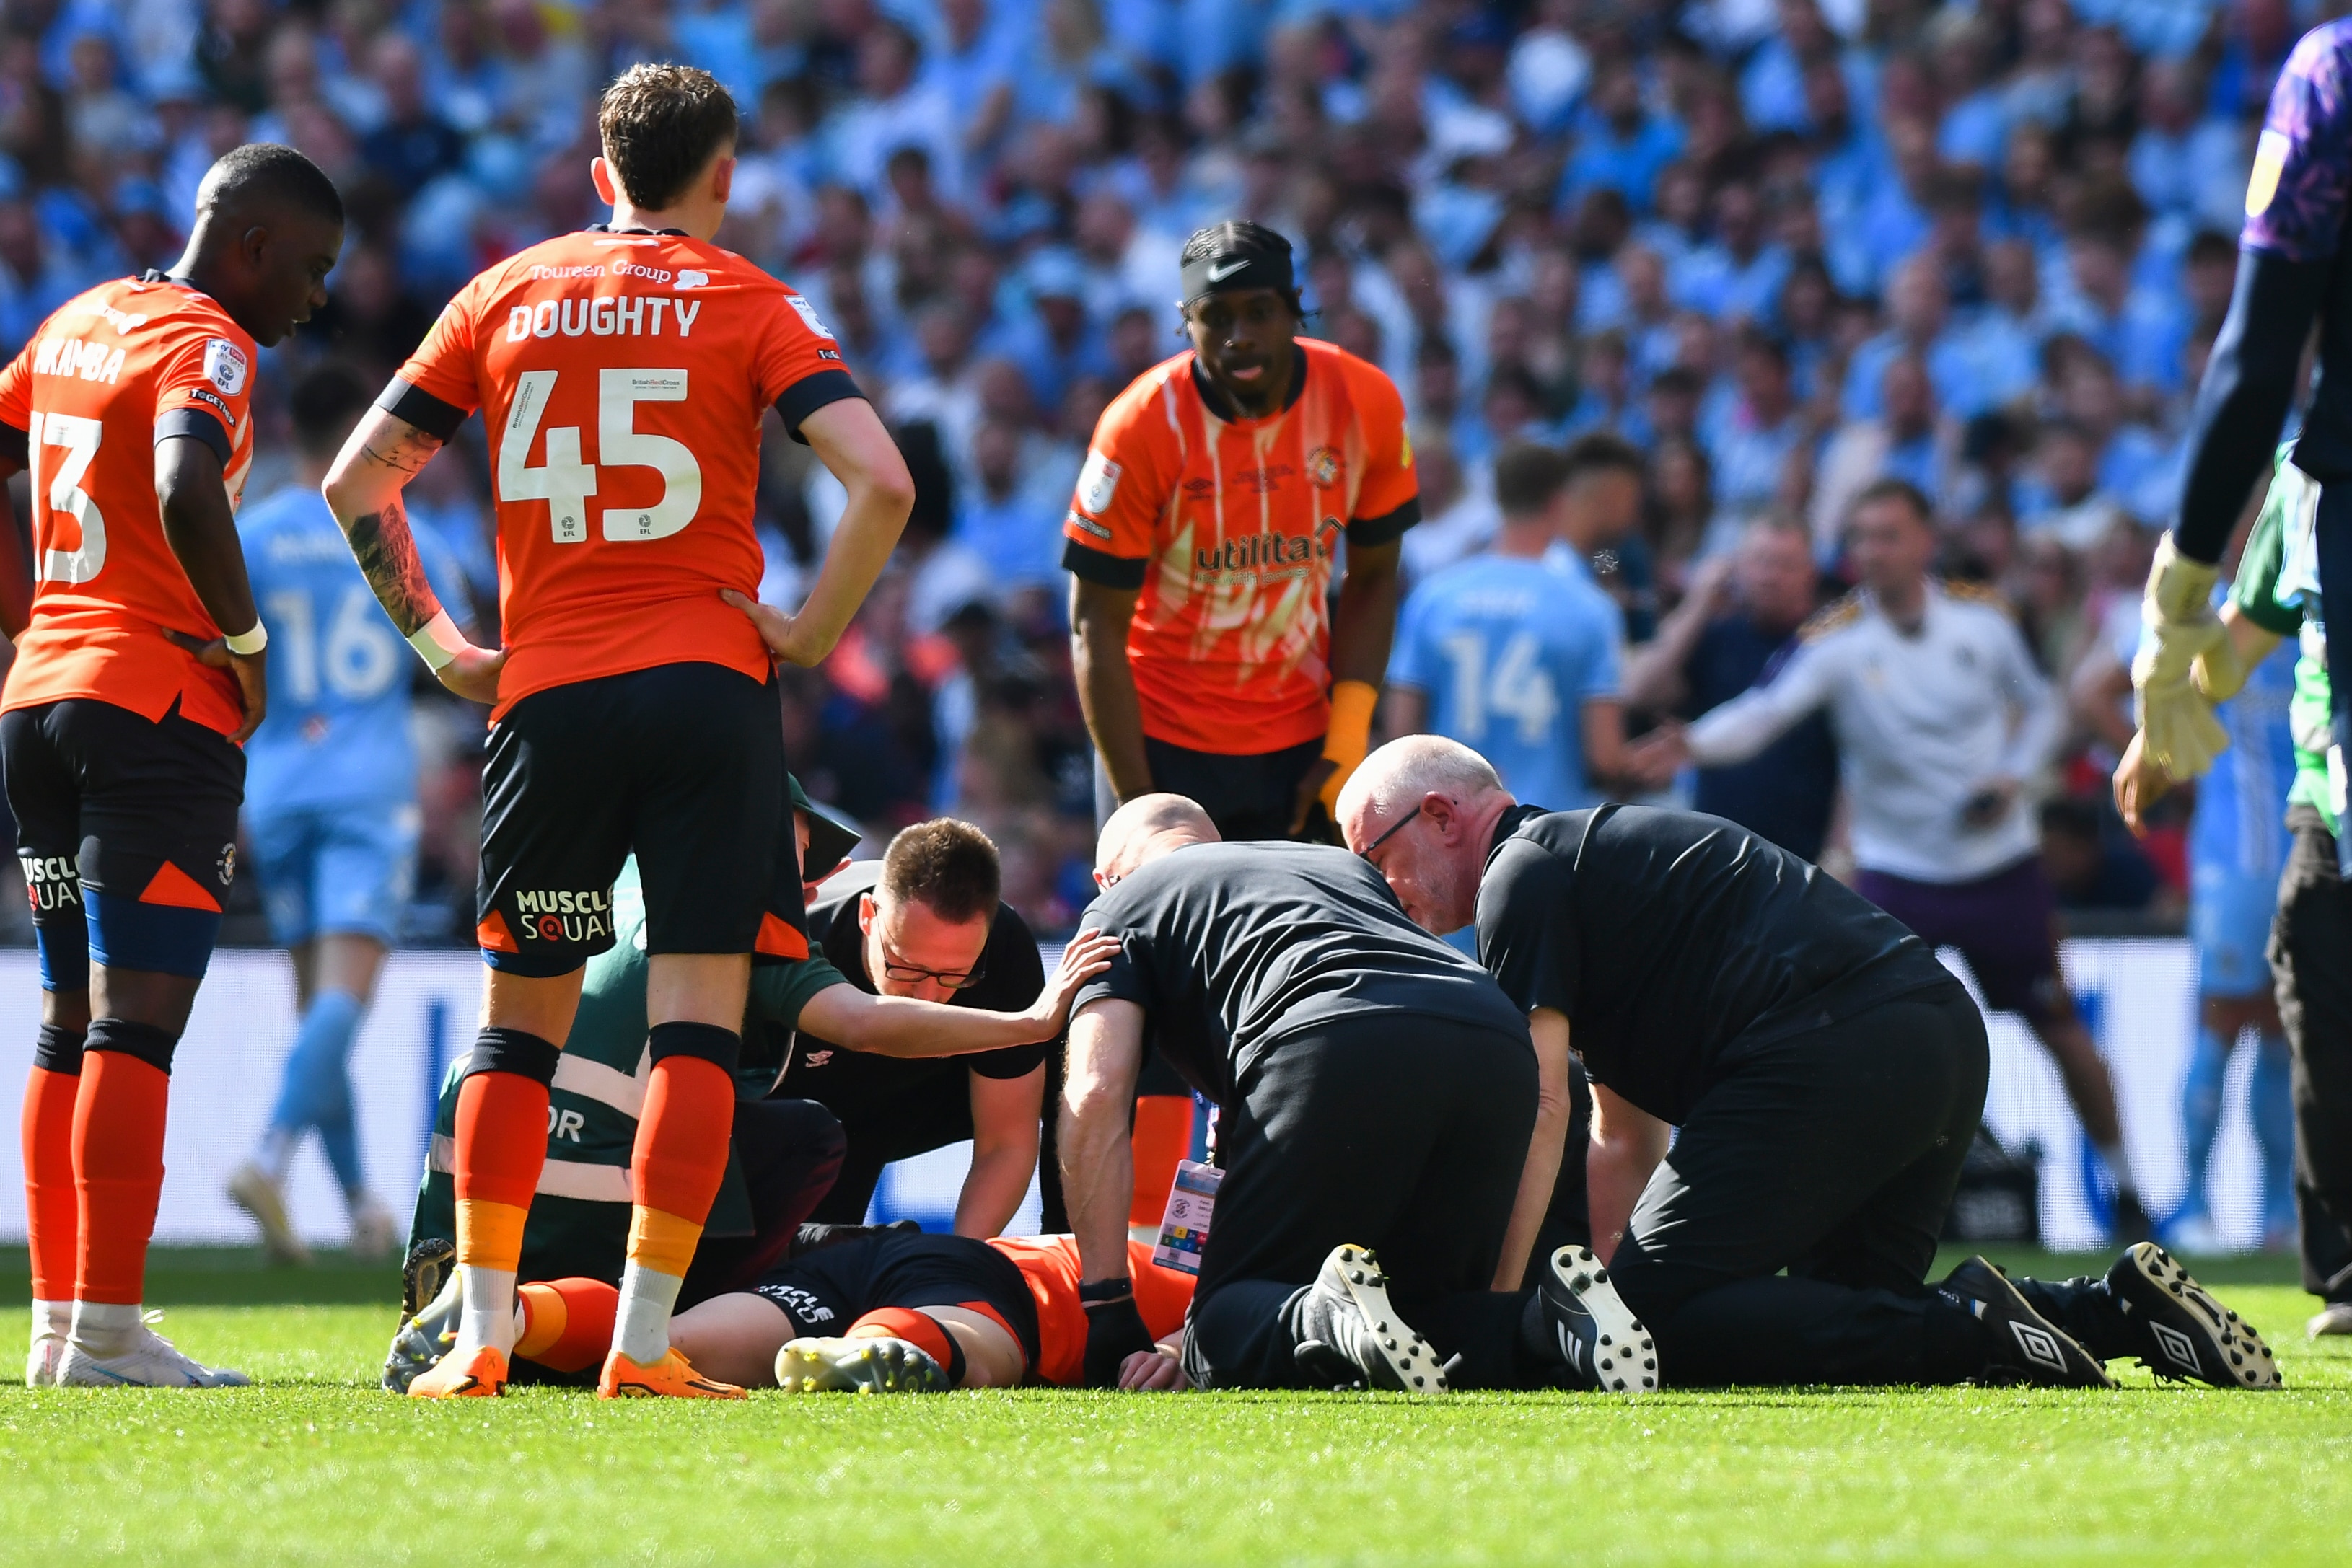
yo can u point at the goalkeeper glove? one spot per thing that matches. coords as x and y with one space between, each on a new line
2177 719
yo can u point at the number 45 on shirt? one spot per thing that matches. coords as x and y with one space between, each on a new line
565 482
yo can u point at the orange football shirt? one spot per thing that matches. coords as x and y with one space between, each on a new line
1049 1264
114 371
623 377
1229 528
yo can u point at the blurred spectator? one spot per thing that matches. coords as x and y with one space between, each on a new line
1734 631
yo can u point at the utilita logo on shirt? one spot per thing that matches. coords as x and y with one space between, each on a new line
565 916
1268 552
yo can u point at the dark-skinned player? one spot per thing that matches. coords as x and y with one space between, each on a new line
138 676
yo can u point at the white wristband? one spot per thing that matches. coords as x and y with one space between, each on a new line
437 641
251 640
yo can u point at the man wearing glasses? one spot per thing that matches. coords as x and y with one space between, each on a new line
926 922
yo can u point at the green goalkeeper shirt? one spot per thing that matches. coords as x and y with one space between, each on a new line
580 1218
2277 588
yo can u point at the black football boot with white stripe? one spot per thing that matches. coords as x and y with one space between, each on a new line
1349 1336
2179 1329
2023 1346
1589 1327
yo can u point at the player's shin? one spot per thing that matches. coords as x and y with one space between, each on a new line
52 1209
565 1324
679 1158
118 1168
502 1146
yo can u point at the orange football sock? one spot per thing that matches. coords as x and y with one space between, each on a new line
52 1207
567 1324
1163 1135
918 1328
678 1160
118 1166
502 1144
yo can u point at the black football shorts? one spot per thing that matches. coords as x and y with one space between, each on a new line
126 830
683 766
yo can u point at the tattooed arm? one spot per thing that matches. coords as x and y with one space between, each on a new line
364 490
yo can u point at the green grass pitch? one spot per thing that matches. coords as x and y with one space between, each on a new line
317 1466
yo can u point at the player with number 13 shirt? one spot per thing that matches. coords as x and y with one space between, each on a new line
623 373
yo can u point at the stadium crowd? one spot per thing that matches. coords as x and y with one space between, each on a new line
1785 249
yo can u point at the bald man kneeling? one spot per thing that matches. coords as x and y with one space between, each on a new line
1378 1098
1824 1073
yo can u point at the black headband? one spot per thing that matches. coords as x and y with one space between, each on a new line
1207 275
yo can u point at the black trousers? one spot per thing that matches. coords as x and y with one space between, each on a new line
2311 964
1399 1133
1832 1153
898 1129
790 1151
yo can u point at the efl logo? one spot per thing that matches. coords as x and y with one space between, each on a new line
224 365
564 917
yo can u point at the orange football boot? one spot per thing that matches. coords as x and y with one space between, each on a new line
671 1377
481 1375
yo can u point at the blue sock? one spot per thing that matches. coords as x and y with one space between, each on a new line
2271 1105
2201 1113
316 1090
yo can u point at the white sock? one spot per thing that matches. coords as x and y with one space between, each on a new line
2118 1164
274 1153
641 1328
488 1318
105 1328
52 1317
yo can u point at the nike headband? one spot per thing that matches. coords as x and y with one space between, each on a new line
1231 274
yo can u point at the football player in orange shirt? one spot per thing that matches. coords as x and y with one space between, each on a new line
1202 544
623 372
884 1309
125 710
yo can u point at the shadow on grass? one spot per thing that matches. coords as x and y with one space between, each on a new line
236 1276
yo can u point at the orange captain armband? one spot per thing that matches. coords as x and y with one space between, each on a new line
1349 736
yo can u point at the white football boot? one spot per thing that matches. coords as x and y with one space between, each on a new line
149 1360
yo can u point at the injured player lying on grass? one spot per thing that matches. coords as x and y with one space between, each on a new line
855 1309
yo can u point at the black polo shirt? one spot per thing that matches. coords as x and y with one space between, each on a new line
857 1086
1667 936
1229 947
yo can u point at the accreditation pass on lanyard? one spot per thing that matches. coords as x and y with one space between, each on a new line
1185 1229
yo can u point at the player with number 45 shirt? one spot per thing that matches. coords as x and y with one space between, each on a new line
623 373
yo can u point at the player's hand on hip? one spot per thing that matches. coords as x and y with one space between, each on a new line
2140 783
474 674
1088 955
1150 1372
787 639
251 672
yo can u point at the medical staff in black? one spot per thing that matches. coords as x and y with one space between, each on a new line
1378 1099
1825 1071
926 921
